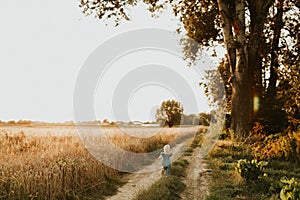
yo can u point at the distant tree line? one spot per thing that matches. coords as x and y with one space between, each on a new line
20 122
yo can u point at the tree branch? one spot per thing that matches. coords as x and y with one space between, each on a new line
240 31
227 32
267 4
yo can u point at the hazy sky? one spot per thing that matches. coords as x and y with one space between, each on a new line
43 46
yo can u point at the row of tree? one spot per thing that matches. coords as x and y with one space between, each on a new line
262 41
20 122
171 114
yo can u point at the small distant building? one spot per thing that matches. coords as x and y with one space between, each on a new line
137 123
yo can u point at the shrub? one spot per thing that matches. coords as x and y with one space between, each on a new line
225 134
290 189
250 170
277 146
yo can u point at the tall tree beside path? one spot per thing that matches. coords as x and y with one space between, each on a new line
260 37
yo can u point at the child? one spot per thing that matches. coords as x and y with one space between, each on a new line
166 162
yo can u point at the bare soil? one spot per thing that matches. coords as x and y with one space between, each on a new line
197 177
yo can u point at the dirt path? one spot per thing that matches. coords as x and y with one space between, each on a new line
197 179
141 180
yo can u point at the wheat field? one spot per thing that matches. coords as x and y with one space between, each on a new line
51 162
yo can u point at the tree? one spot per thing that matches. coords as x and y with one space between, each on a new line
279 51
11 122
288 94
204 119
255 33
191 119
105 121
169 113
24 122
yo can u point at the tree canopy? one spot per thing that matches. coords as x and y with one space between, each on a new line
169 113
261 38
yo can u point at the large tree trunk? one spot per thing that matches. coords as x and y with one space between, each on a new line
245 63
242 100
258 13
241 109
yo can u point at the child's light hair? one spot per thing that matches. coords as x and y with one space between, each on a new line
167 148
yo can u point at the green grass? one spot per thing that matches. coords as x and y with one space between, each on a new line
227 184
178 167
197 140
195 143
167 188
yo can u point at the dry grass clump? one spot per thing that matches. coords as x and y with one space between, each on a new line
143 143
283 145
